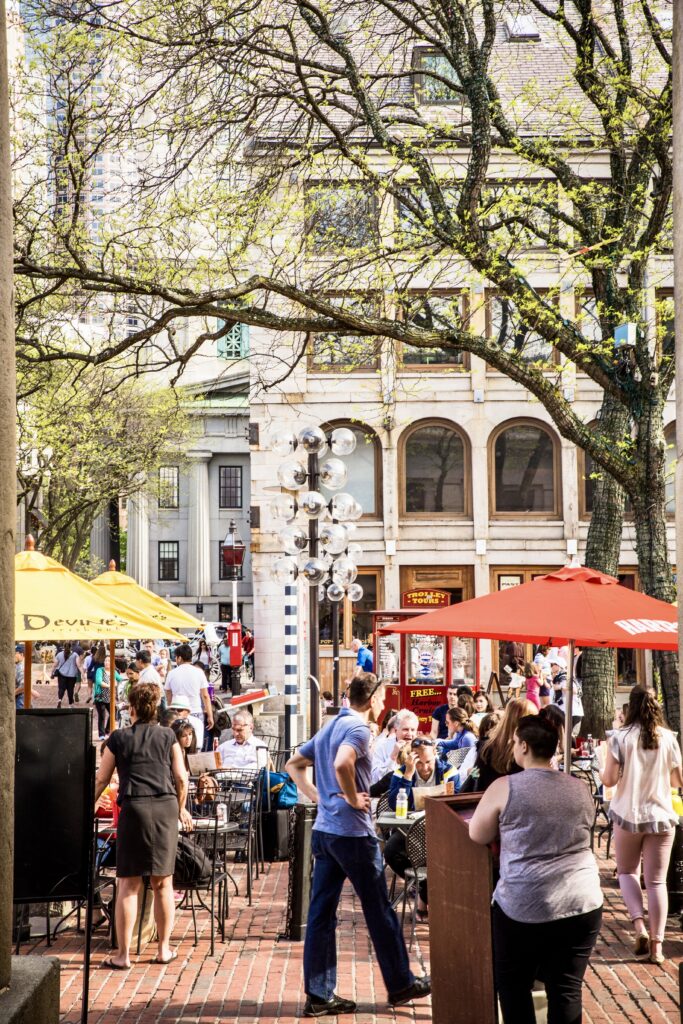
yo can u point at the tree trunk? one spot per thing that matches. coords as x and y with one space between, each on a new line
602 553
654 566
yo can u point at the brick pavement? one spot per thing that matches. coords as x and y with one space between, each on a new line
256 976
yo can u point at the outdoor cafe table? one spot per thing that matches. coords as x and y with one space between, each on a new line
389 820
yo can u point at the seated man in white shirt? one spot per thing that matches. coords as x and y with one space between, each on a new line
406 725
243 750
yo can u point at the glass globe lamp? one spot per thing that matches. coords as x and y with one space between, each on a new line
292 475
284 570
312 503
283 507
333 538
354 550
354 592
283 442
335 592
342 505
312 440
342 441
356 511
294 539
314 571
333 474
344 571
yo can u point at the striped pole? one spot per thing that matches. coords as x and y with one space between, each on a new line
291 667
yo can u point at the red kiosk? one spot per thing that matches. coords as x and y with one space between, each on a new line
418 669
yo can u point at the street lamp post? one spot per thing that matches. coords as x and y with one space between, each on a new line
323 554
232 552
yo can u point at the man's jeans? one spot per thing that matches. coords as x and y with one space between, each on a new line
357 858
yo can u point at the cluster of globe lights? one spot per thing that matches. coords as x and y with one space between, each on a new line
336 517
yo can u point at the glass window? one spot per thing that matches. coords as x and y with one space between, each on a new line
346 351
521 213
361 611
362 469
414 215
339 218
587 317
234 344
524 470
230 487
435 471
426 660
435 312
169 479
508 330
168 560
434 77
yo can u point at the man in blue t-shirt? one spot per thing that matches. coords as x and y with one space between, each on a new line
364 660
345 846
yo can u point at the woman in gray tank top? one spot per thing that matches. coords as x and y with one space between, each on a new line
547 906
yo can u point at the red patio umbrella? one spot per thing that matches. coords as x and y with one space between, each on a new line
573 605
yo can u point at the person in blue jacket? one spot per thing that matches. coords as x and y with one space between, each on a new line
462 732
420 767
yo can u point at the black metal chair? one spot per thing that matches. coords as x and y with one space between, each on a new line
416 849
245 791
209 841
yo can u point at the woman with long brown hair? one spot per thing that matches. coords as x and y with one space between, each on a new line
496 758
643 761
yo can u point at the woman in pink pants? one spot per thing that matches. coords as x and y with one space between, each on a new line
644 762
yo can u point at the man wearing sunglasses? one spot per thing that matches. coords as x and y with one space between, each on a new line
345 846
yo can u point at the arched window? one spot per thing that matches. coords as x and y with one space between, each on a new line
525 470
670 438
364 467
436 474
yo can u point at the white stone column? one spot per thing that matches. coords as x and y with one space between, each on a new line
99 539
199 528
137 550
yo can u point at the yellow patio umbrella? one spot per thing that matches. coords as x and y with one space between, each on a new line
125 588
53 603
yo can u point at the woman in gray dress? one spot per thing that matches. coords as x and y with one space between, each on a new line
152 796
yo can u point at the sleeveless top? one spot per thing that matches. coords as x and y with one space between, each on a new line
547 870
143 760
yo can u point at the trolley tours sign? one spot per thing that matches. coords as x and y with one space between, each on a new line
425 598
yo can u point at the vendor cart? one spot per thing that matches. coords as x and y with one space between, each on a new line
417 670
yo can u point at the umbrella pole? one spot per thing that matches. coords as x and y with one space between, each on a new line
568 701
28 658
112 685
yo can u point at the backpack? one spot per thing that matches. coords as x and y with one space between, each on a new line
192 866
283 791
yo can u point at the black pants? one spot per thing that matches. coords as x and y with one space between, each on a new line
102 709
65 685
398 860
225 676
556 953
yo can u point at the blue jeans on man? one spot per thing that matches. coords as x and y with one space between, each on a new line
357 858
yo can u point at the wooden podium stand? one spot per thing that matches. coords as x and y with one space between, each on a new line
460 875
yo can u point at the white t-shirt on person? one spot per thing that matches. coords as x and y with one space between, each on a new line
150 675
642 801
186 681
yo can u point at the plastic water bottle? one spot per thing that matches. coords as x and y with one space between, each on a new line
589 744
402 804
